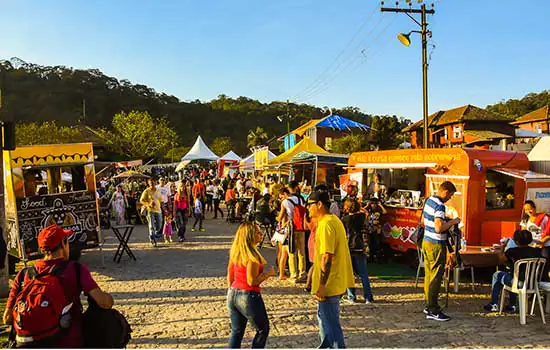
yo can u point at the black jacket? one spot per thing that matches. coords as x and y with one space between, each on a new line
355 224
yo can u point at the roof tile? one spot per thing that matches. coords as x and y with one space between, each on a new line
536 115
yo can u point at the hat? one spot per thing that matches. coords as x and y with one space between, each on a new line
319 196
51 237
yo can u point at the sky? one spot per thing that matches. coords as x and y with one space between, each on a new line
327 53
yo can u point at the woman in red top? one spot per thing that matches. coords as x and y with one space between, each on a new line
181 210
244 276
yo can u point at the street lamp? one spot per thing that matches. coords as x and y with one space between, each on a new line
406 40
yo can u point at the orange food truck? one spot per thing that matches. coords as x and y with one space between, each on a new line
491 189
50 184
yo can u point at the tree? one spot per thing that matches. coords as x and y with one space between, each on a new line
221 145
350 143
139 135
256 137
387 131
175 154
45 133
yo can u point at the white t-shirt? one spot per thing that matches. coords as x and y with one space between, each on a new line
164 192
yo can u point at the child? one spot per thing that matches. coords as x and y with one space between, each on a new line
197 212
167 230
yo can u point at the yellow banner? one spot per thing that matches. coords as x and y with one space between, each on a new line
261 158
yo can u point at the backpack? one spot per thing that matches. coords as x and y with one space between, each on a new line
104 328
42 311
298 216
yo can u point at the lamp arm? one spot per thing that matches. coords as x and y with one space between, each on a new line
414 19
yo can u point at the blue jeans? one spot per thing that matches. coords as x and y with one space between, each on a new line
330 330
155 226
247 306
498 278
359 263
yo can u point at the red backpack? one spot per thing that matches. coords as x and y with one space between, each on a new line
298 216
41 310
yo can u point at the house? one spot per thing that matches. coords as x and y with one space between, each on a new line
463 126
537 121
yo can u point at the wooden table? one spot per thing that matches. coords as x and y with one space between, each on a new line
474 257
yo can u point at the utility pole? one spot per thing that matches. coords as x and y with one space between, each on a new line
423 11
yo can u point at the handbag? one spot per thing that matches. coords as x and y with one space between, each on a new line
279 235
418 235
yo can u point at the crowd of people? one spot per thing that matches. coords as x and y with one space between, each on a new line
322 245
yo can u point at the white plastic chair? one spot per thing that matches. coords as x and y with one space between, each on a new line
530 285
545 287
420 265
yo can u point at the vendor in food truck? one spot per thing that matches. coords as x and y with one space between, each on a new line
376 188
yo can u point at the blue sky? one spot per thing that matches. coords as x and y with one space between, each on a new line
485 51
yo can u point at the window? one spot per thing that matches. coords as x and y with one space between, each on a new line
499 191
44 181
328 143
457 132
445 134
539 128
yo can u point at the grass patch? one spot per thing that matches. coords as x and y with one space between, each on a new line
390 271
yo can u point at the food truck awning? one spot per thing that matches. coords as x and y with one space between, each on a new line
526 175
395 165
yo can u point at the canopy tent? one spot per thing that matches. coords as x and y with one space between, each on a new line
305 145
331 158
528 134
225 161
541 150
333 121
200 151
182 165
131 174
247 163
231 156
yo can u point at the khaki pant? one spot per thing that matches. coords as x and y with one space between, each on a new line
300 254
434 267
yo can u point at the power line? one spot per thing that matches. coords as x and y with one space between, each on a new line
320 77
343 62
360 57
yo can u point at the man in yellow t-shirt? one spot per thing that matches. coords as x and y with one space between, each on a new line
151 199
332 268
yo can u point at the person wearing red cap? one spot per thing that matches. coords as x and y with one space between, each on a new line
53 242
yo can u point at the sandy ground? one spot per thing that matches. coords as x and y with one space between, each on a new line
175 296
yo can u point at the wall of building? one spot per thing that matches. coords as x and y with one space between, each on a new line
540 126
323 133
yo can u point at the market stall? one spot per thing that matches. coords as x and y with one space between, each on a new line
226 161
50 184
489 198
283 162
319 168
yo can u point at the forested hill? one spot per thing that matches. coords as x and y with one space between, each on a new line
34 93
516 108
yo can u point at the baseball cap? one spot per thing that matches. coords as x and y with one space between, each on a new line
319 196
51 237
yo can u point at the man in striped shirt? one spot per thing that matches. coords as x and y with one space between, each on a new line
434 248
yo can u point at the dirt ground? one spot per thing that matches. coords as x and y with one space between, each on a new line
175 296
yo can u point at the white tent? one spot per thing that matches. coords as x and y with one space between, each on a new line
249 161
200 151
541 151
231 156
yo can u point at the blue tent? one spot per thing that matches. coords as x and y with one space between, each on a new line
340 123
